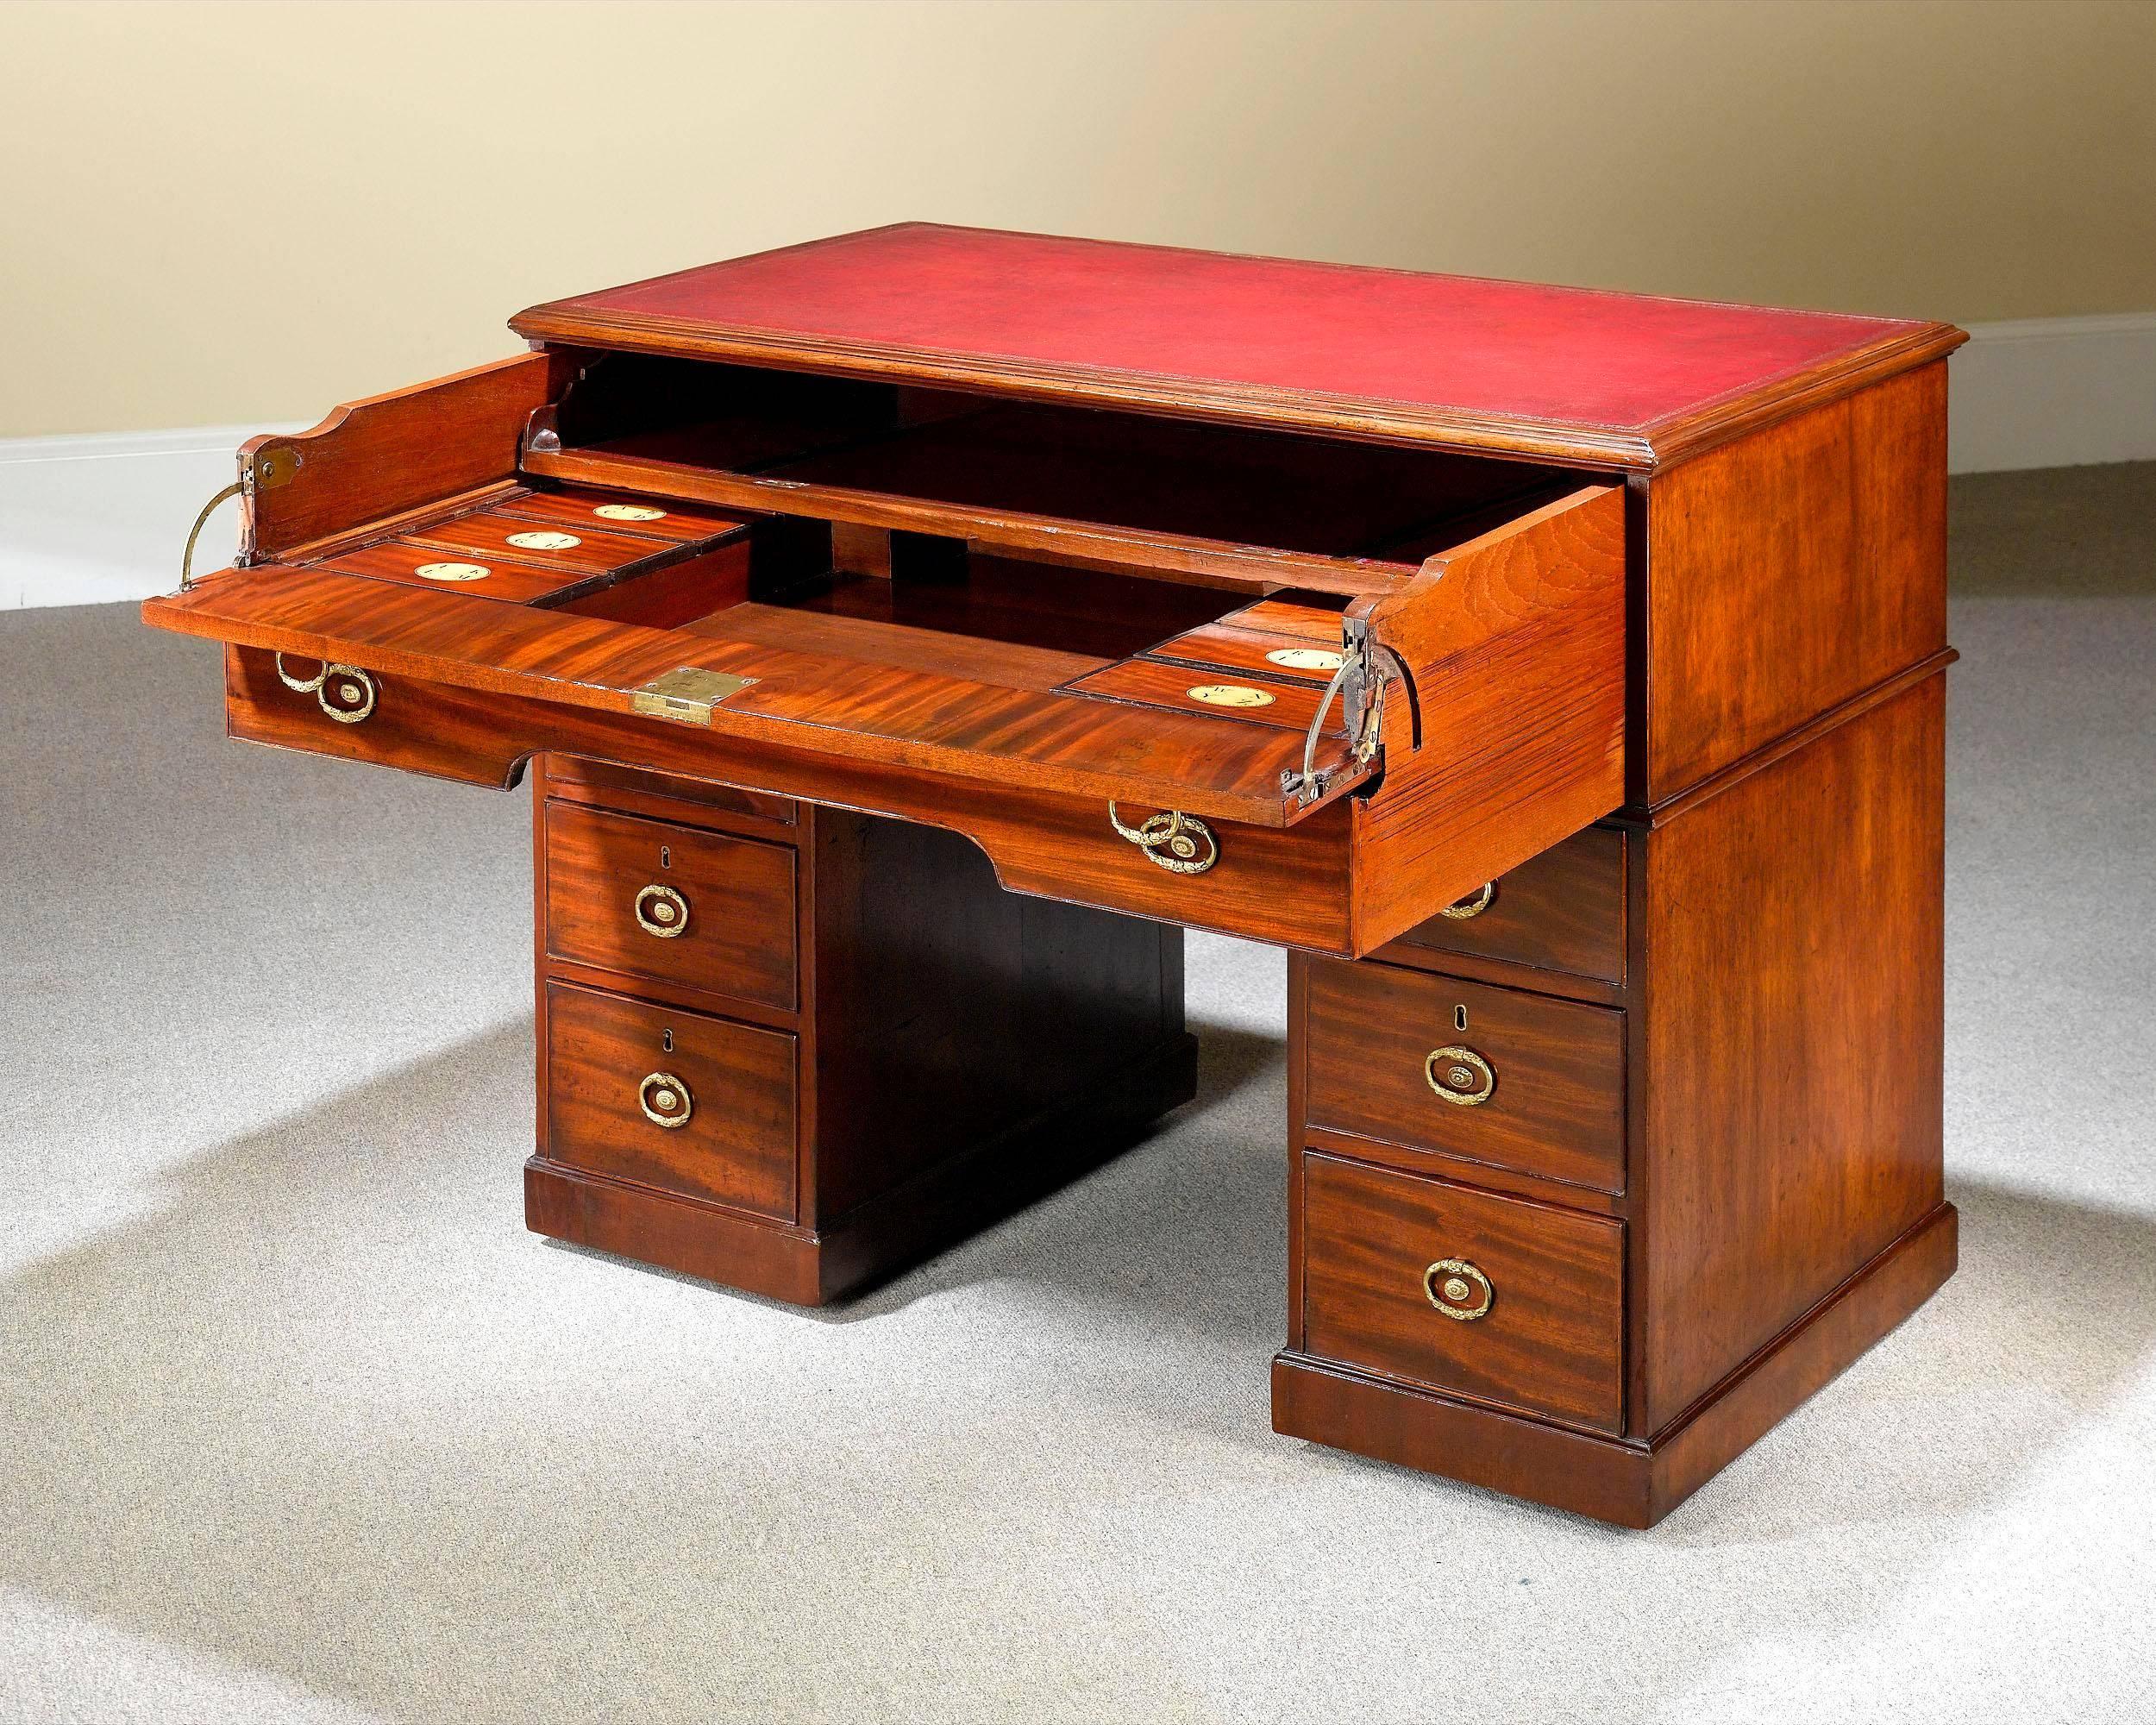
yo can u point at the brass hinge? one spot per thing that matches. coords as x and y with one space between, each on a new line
687 694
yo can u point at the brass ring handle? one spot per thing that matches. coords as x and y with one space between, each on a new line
301 686
665 1099
1473 904
1467 1081
1179 843
345 693
1451 1283
661 911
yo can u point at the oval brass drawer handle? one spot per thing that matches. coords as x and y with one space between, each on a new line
1451 1283
1473 904
1179 843
665 1099
663 911
1459 1076
346 694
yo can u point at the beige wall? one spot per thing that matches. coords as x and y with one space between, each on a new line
234 213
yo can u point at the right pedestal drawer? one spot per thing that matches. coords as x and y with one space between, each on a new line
1496 1075
1492 1297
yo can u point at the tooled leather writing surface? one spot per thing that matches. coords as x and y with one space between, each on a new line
1449 344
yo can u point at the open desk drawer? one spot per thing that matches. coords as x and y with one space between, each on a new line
1111 733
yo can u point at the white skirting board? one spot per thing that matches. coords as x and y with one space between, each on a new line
88 519
102 517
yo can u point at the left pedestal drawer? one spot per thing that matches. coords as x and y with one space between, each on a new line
678 1101
652 898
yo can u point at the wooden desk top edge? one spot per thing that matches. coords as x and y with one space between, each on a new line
917 273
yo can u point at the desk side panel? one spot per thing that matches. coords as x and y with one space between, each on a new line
1791 943
1787 572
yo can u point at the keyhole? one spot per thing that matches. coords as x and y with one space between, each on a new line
666 1040
1459 1018
666 855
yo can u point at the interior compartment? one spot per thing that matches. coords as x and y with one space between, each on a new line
1184 501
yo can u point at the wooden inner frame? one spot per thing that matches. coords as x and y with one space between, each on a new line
1180 501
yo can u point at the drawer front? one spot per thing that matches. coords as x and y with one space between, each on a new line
724 1094
1386 1256
1564 910
655 899
1404 1056
420 728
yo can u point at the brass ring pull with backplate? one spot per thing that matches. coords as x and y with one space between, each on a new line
665 1099
661 911
1473 904
1452 1283
345 693
1459 1076
1179 843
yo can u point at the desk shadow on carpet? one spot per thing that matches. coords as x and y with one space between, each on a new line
293 1418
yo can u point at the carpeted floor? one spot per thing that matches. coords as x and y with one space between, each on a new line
297 1422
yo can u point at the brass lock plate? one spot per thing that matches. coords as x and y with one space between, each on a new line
687 694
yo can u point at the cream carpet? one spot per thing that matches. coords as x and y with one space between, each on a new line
298 1424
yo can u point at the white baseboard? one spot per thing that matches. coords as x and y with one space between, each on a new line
89 519
2053 393
102 517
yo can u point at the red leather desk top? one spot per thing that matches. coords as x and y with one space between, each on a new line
1615 379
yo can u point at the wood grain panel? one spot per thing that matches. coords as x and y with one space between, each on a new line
489 533
1012 738
737 1145
1516 645
1558 1106
1289 887
1790 571
507 580
1564 910
1798 914
1144 682
737 936
388 453
573 510
1225 646
1552 1340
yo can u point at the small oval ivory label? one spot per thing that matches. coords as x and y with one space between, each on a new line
1229 694
629 511
1305 658
544 542
454 572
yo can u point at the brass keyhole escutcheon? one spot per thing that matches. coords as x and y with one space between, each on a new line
665 1099
345 693
1459 1076
661 911
1473 904
1458 1289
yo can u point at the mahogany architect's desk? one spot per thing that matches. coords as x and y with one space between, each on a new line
911 631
